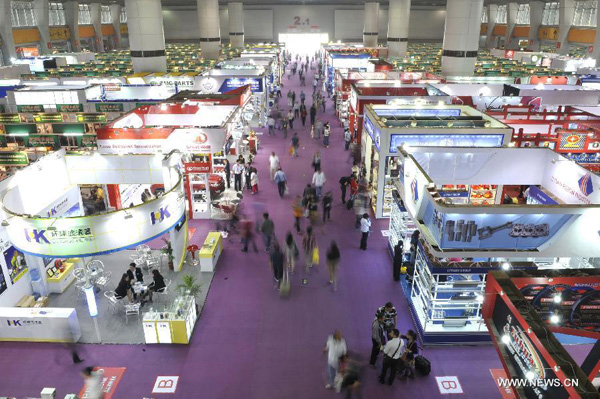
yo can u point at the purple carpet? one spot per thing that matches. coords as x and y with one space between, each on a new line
249 343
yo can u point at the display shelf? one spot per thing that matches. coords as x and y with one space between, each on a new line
482 194
170 324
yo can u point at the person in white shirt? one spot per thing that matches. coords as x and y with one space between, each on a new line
365 227
392 352
93 383
273 165
335 348
318 181
271 123
238 170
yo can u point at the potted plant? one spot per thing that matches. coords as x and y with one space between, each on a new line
168 250
190 286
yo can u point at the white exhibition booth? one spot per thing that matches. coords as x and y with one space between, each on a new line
53 226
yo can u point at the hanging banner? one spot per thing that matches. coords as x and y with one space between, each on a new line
13 158
31 109
69 107
10 118
91 117
109 107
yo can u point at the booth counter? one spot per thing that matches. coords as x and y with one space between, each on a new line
389 126
39 325
211 251
171 324
58 282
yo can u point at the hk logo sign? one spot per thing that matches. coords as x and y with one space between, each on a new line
14 323
160 215
585 184
37 236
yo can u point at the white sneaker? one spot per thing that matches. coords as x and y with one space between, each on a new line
328 386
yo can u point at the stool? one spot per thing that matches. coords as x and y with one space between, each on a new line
192 251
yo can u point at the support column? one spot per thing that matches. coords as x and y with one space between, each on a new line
210 30
72 20
461 37
6 34
236 24
596 48
41 11
490 41
115 16
565 19
371 27
398 22
146 35
511 20
536 14
96 17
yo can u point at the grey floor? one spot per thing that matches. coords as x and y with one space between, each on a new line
113 327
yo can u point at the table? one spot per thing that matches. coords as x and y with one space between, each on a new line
139 288
39 325
210 251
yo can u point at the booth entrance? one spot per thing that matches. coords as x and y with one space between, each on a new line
303 43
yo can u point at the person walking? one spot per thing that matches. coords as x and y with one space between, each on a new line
365 228
284 128
227 168
333 261
289 98
309 244
377 338
267 228
93 383
271 123
298 209
391 357
347 139
290 118
296 110
291 252
302 96
344 183
398 256
327 201
316 160
318 128
254 181
238 169
248 235
281 181
313 113
303 114
277 260
248 175
318 181
315 83
295 143
335 349
293 98
326 133
273 165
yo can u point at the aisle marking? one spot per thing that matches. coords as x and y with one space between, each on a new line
165 384
448 385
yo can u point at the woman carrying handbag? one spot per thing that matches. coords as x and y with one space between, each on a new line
408 357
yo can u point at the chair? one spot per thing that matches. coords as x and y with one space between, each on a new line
80 286
113 302
153 262
143 250
192 249
130 310
164 293
103 281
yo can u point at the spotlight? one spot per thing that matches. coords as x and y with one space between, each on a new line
506 339
506 266
554 319
530 375
557 298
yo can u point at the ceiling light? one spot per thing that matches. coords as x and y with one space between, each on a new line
554 319
506 266
506 339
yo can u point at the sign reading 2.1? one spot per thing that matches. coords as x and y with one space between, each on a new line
299 21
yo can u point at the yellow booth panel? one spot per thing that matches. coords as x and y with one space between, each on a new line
60 33
484 28
28 35
545 33
108 30
69 266
179 332
500 30
209 249
124 29
86 31
521 31
580 35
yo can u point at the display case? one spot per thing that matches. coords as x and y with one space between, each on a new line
401 224
172 323
210 251
200 194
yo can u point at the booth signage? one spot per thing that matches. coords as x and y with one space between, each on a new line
373 132
42 140
256 84
428 112
10 118
69 107
572 141
30 108
89 117
48 118
445 140
109 107
539 196
88 140
171 81
198 167
13 158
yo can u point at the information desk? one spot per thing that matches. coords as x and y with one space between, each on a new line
59 282
39 325
171 324
210 251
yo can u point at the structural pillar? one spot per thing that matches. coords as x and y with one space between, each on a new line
72 20
371 28
536 14
595 53
566 9
461 37
210 30
115 19
146 35
512 10
236 24
398 22
6 34
490 41
96 17
41 11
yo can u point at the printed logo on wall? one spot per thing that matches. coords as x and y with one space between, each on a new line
37 236
201 138
160 215
585 184
572 141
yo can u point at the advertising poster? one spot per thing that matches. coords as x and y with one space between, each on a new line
572 141
3 284
445 140
15 262
109 107
69 107
30 109
13 158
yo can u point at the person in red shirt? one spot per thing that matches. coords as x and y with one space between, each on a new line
353 186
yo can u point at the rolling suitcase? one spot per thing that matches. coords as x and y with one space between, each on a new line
422 365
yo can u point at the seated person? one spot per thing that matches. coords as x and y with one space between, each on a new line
158 283
135 273
124 288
